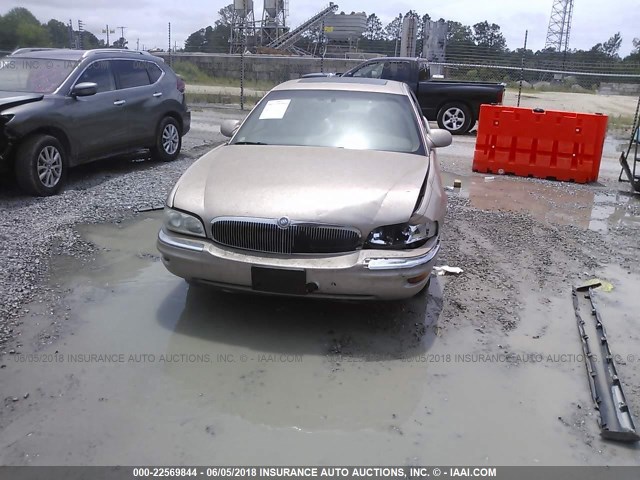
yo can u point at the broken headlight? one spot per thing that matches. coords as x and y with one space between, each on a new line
181 222
403 235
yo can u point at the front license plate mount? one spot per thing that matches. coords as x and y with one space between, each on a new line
279 280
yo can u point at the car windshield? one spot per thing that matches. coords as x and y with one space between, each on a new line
329 118
34 75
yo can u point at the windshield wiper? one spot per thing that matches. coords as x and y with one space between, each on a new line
249 143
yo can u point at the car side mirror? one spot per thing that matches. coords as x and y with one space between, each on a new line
229 127
84 89
439 138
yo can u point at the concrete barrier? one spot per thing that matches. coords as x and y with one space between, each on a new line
558 145
619 88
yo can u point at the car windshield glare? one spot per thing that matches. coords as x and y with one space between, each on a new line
33 75
330 118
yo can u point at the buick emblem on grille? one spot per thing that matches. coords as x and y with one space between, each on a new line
284 222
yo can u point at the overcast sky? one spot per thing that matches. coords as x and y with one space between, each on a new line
593 20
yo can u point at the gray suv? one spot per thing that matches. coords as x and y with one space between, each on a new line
60 108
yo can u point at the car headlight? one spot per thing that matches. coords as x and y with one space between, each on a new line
403 235
181 222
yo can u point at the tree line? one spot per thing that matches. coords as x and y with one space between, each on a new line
480 43
20 28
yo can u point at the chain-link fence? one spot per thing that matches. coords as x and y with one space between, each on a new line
587 81
612 90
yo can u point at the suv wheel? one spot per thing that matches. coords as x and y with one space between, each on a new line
456 118
41 165
168 141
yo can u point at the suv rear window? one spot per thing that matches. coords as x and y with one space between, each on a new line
154 71
131 73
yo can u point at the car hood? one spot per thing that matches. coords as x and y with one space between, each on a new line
14 99
362 189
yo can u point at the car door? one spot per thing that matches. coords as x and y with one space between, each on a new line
141 100
95 120
428 102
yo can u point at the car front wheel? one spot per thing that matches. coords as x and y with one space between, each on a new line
168 141
456 118
41 165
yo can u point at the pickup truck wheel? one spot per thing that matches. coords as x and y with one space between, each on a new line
456 118
41 165
168 140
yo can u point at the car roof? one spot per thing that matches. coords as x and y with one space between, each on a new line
49 53
397 59
75 55
350 84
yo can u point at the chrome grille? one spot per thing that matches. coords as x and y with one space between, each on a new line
264 235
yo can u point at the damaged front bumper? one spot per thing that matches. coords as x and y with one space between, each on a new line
364 274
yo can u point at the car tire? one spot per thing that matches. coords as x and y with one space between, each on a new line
41 165
456 118
168 141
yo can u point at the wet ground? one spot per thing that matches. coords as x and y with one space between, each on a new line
130 365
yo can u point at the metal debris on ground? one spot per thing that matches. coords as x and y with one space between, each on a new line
616 422
596 284
150 209
447 270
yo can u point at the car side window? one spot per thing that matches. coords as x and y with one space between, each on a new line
154 71
131 73
371 70
101 74
423 74
401 71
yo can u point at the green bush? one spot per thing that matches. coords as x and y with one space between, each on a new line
191 73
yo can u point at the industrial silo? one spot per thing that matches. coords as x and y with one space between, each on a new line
243 7
345 28
409 38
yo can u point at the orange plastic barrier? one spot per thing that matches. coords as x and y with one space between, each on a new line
537 143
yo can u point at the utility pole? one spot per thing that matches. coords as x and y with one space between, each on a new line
398 33
122 31
138 44
71 34
80 30
107 31
170 59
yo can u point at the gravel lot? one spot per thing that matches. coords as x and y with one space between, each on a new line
34 229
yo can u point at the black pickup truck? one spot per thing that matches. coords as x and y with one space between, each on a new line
454 105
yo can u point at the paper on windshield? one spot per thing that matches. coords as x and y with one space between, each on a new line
275 109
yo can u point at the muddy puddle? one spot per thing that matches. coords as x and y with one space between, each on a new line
152 371
552 202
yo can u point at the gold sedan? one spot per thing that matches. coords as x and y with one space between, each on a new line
329 188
